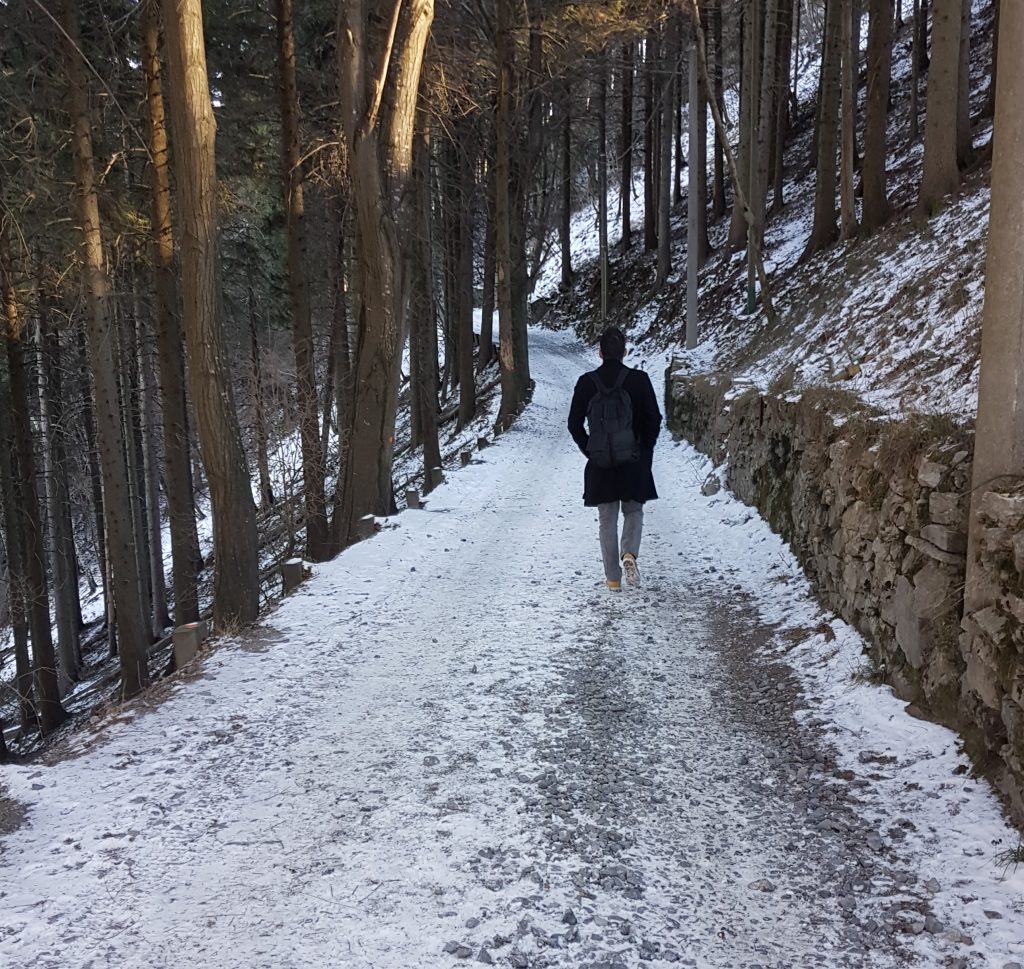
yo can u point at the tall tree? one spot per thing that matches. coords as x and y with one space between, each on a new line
626 146
874 174
848 114
317 547
650 68
236 566
667 98
466 186
602 179
122 561
379 136
964 143
941 176
177 470
999 439
566 174
825 229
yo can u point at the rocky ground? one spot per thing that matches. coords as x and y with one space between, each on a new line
453 745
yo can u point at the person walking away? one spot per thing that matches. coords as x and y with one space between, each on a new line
615 421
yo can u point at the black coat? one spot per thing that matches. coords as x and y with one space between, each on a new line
629 482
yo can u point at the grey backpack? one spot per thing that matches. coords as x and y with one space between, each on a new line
610 423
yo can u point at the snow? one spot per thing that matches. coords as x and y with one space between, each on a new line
451 731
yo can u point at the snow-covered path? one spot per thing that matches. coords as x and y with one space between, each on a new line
453 744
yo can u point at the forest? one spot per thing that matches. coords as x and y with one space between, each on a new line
250 253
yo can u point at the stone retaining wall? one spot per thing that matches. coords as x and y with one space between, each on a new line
876 512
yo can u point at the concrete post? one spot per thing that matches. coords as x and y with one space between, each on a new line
291 575
436 477
412 499
186 641
367 527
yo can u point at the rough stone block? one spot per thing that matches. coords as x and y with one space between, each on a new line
991 622
979 675
466 457
186 641
934 592
412 499
934 552
291 575
481 443
1004 510
930 473
1018 552
946 538
909 634
946 508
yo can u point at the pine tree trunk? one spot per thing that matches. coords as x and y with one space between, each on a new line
782 101
650 167
626 147
464 287
151 430
875 178
236 567
48 710
487 308
602 180
999 439
704 247
667 101
423 333
848 114
95 477
748 125
177 466
694 205
314 501
718 204
380 160
132 632
66 607
10 503
766 123
964 144
915 75
565 215
677 121
259 411
923 57
825 230
941 173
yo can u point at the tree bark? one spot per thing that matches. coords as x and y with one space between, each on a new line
66 604
915 75
670 57
18 585
718 204
48 710
565 220
825 230
964 144
602 179
423 332
236 566
766 122
487 308
464 281
999 440
693 208
704 247
748 124
380 159
941 172
177 466
259 410
626 147
875 177
650 168
132 633
314 501
848 115
781 108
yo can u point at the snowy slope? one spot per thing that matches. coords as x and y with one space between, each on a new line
452 738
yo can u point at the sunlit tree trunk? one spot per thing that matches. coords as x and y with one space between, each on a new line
132 631
875 177
236 566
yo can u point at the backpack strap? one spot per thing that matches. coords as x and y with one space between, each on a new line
601 388
621 379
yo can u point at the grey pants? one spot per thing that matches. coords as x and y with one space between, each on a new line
632 531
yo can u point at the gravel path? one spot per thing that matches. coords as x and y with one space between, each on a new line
453 745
